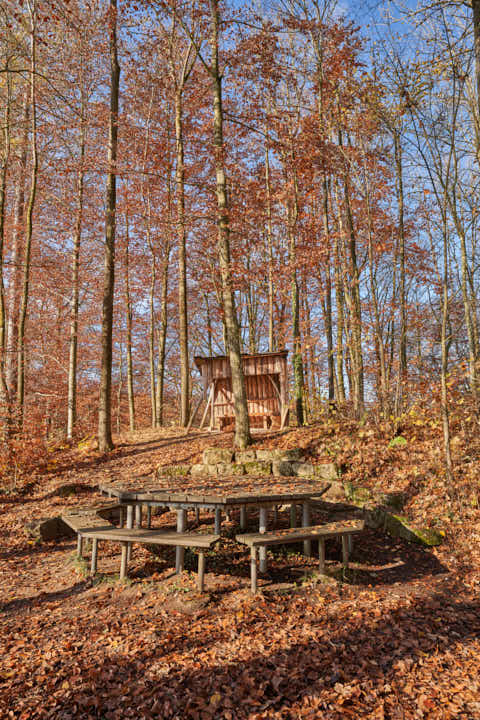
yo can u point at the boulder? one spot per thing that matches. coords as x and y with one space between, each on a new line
325 471
51 528
295 454
200 469
243 456
229 469
282 467
213 456
174 470
336 492
401 527
258 468
304 470
70 489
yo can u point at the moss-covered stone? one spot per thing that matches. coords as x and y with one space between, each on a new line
174 470
325 471
213 456
258 468
199 469
282 467
48 529
230 469
295 454
358 495
393 500
399 526
243 456
336 492
301 469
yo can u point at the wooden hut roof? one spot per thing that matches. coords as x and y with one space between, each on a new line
200 361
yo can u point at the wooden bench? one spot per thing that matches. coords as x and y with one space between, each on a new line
346 529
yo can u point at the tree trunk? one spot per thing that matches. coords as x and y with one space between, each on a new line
17 241
182 268
29 219
162 339
4 394
151 344
72 364
268 200
402 367
105 442
242 425
128 312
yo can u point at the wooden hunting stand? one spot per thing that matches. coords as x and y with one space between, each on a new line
265 383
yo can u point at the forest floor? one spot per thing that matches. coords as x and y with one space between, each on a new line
397 638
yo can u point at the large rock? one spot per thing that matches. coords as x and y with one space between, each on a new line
282 467
174 470
213 456
401 527
243 456
325 471
258 468
336 492
295 454
200 469
303 470
230 469
51 528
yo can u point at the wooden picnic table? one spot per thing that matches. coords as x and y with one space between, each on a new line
220 494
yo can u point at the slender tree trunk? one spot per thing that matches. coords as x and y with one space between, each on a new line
182 267
339 302
271 338
129 316
445 346
162 340
17 242
105 442
29 218
242 425
402 368
4 393
72 364
151 343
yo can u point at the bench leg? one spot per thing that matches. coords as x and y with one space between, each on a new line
293 516
262 528
253 569
201 571
79 546
149 516
321 556
243 517
93 566
306 521
218 521
345 551
275 514
350 544
197 515
124 561
180 551
122 517
130 527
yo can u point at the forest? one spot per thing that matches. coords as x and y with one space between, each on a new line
192 179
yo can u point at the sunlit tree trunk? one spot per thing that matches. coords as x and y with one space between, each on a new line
268 201
29 216
105 442
129 318
242 425
72 364
5 160
16 253
162 340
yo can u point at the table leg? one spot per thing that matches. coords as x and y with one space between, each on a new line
293 515
275 514
122 516
124 561
345 551
321 556
138 516
197 515
243 517
306 521
218 521
262 551
129 527
180 553
253 569
93 566
79 546
149 516
201 570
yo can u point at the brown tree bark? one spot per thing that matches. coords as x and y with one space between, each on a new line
242 425
105 442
